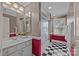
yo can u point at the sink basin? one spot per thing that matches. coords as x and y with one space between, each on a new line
22 37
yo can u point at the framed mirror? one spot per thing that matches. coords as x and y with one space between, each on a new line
24 25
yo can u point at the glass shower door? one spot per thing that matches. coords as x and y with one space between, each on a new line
44 33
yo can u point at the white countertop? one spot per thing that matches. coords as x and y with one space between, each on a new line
19 39
12 42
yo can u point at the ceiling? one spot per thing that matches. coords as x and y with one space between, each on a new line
58 8
24 4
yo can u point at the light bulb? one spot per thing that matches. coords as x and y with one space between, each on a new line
21 8
8 3
15 5
29 12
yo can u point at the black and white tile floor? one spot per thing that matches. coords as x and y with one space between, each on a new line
56 49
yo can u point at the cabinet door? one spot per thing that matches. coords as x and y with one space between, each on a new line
27 51
9 50
29 42
20 46
16 53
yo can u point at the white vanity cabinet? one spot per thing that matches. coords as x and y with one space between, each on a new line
19 47
22 46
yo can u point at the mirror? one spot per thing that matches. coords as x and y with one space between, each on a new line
24 25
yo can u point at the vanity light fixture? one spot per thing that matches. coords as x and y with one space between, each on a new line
15 5
9 3
29 12
21 9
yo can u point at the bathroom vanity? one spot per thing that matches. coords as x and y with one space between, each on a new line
22 46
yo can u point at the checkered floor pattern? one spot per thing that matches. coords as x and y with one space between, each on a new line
56 49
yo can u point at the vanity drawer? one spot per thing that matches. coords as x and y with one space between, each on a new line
21 45
28 43
9 50
17 53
